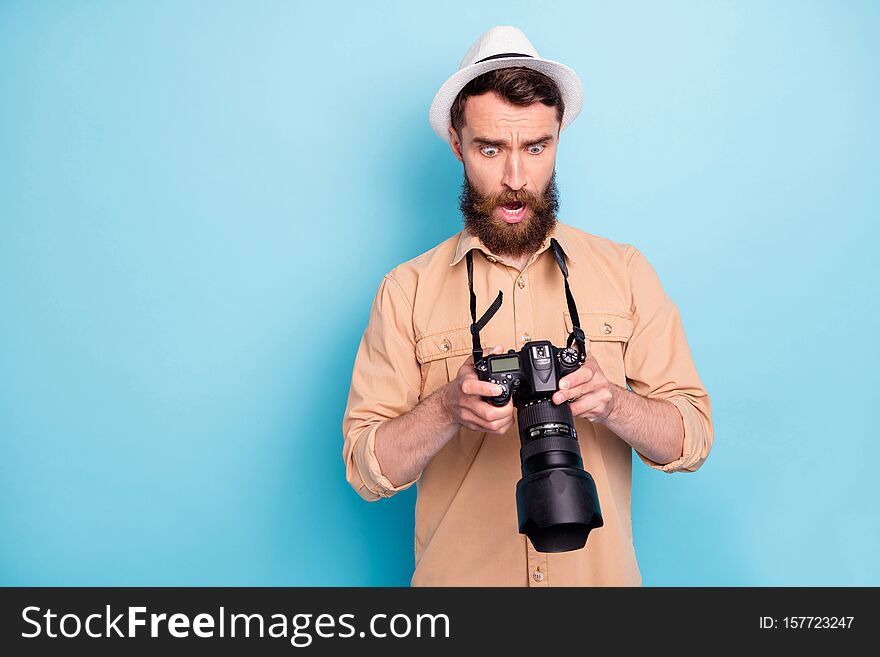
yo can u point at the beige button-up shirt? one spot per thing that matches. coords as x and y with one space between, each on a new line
418 336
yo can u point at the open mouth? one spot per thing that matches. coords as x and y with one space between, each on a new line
513 212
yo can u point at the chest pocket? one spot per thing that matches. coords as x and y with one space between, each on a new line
440 356
608 334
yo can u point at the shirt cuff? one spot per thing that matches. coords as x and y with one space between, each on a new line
369 470
696 440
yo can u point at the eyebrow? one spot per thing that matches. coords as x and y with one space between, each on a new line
485 141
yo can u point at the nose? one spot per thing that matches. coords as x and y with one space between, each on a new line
514 176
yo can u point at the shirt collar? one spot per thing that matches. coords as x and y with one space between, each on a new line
468 242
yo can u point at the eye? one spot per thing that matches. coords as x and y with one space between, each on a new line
489 148
540 149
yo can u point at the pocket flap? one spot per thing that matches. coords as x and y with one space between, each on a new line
599 327
443 344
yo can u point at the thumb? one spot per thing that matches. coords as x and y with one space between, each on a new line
498 349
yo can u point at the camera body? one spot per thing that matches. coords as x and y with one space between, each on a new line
531 374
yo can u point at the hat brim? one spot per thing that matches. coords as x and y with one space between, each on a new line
566 79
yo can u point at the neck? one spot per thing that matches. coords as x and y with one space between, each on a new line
518 262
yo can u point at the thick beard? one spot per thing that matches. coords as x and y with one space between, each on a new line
501 238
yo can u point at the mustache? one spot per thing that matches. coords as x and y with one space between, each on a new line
521 196
487 203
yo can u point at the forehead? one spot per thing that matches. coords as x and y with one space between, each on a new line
490 115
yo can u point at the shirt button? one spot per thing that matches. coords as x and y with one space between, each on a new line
538 576
444 346
491 259
521 282
607 329
526 338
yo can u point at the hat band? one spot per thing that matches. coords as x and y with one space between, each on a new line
504 54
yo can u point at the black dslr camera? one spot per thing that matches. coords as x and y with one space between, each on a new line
557 503
532 372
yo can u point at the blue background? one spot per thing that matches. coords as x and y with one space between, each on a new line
198 201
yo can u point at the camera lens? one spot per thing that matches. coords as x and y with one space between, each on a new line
556 499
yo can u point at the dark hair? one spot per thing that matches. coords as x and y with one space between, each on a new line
517 85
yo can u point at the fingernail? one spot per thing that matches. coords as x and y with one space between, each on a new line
563 384
498 390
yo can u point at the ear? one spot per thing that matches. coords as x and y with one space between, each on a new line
455 143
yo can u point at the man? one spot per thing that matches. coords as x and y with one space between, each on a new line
416 411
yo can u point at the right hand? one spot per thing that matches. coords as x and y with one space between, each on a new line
462 399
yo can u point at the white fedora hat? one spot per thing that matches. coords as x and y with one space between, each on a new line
503 47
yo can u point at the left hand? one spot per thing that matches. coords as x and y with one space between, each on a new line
591 393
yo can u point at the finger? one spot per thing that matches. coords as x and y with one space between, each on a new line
473 421
477 388
509 421
593 403
577 392
580 376
470 372
492 413
499 426
574 385
488 412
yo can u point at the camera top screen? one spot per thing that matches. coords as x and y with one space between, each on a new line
507 364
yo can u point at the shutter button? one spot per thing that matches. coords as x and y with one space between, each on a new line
607 329
538 576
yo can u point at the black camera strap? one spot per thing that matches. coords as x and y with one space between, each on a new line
577 334
489 314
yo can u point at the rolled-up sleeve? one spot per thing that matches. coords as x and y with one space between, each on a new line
385 384
659 365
